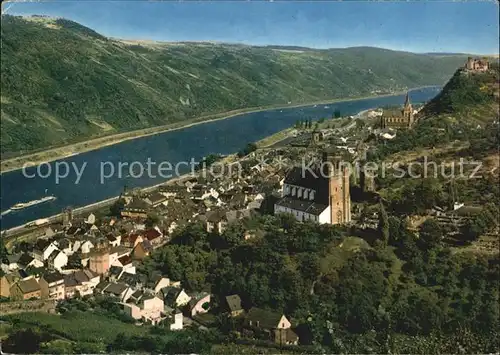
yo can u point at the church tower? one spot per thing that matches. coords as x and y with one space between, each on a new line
338 189
408 111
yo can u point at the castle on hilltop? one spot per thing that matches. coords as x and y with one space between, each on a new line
398 119
476 65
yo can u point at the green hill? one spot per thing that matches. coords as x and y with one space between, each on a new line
62 82
465 92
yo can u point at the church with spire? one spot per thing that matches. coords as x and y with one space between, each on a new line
399 118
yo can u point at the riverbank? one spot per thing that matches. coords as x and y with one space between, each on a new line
21 232
65 151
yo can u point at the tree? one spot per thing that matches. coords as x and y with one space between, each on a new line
250 147
336 113
151 220
383 224
364 214
3 249
430 232
208 161
117 207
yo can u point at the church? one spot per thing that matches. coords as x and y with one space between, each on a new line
311 195
397 118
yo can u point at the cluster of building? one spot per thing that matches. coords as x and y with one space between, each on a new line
393 119
476 65
90 256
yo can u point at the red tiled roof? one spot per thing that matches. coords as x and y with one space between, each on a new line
125 260
131 238
152 234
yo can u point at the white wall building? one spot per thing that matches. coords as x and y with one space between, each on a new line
305 196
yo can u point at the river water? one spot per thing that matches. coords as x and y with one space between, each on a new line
219 137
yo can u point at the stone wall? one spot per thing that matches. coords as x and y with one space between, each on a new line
46 306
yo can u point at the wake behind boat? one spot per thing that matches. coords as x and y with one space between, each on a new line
22 205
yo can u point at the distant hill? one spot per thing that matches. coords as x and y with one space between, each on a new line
445 53
63 82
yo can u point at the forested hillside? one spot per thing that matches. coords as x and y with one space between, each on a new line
416 283
62 82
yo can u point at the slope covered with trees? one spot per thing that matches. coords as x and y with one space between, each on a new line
62 82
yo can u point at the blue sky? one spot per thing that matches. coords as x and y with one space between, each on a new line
418 26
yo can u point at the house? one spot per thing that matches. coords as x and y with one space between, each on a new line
90 219
160 282
147 308
199 304
115 272
113 240
285 337
52 286
117 252
118 290
43 249
70 285
81 282
135 281
154 236
25 290
131 240
233 305
136 296
216 222
170 190
155 199
126 263
10 262
175 296
141 250
176 318
65 245
86 246
6 281
200 192
276 325
255 205
319 194
136 208
57 260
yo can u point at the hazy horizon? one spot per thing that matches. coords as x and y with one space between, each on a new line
418 27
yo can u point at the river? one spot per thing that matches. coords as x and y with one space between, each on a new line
218 137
